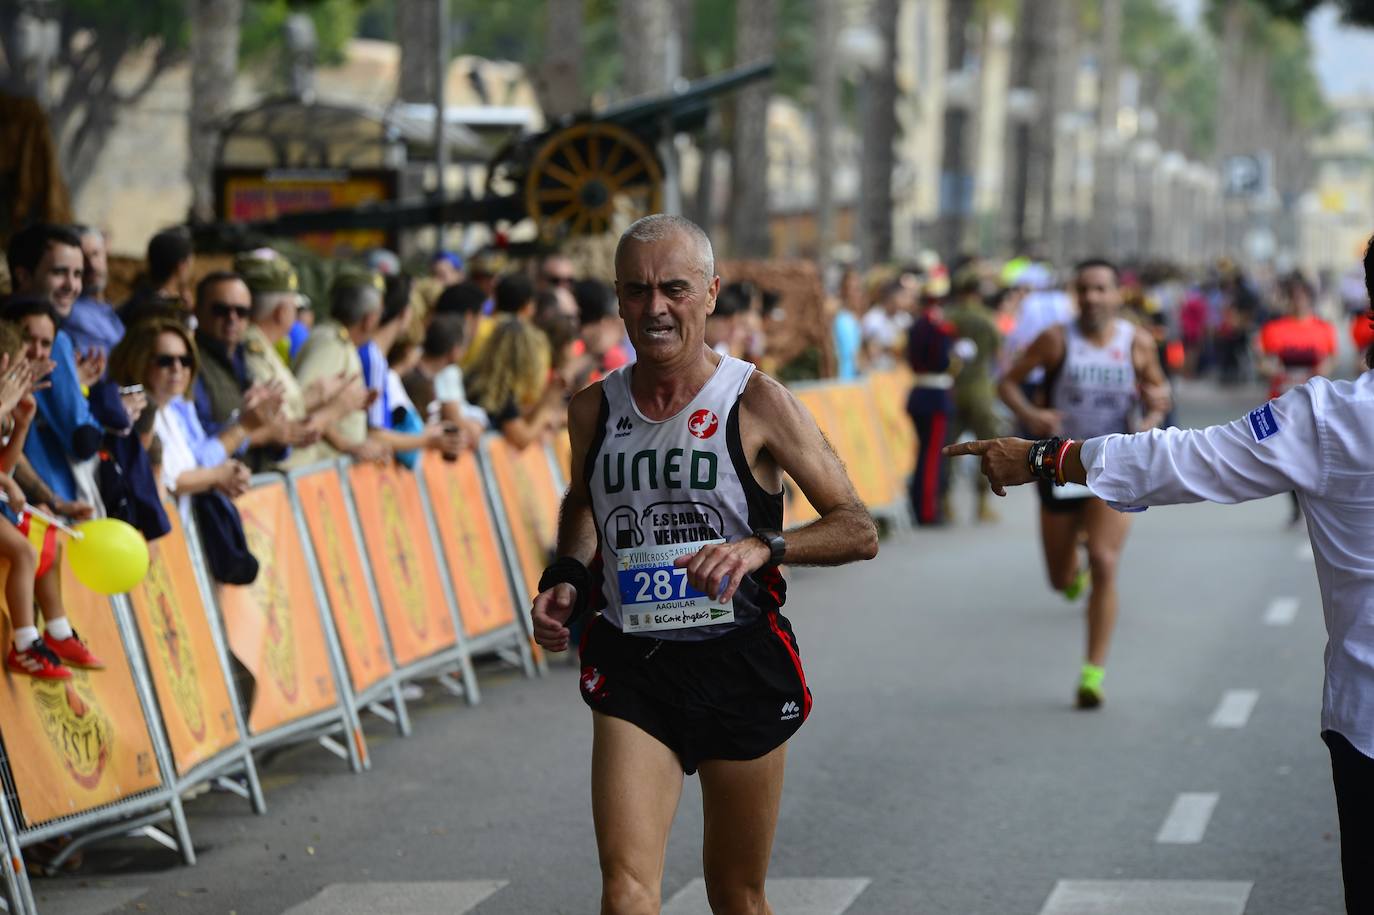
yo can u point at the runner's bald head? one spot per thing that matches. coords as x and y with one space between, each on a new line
661 226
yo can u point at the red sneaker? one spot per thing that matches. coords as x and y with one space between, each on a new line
73 651
37 661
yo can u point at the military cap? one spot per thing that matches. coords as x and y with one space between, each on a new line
266 274
356 275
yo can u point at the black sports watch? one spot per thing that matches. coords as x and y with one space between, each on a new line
776 543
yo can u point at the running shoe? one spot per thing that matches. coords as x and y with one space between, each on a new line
1079 584
38 662
73 651
1090 686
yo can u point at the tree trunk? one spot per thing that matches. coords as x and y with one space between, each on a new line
1104 231
756 29
878 92
827 89
418 40
214 65
1053 27
645 29
558 80
992 126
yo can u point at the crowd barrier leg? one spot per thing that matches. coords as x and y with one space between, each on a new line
513 566
384 697
469 689
405 577
357 744
17 890
291 718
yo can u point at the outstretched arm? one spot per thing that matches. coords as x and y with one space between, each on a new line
1275 448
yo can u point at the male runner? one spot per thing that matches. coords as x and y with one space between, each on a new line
676 504
1097 368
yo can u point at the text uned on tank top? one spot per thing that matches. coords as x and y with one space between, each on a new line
1098 374
679 470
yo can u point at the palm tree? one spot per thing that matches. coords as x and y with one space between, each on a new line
879 132
827 89
214 64
756 29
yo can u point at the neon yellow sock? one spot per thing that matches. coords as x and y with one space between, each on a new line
1091 678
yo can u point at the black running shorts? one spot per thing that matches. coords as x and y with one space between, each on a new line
1058 506
738 696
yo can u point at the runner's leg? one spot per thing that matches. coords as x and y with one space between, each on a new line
740 800
1107 529
636 783
1059 536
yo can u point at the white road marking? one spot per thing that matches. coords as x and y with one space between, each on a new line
1187 819
1235 707
1303 551
793 895
450 898
1147 897
1281 611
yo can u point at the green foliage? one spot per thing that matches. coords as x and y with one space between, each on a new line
336 21
1179 69
147 19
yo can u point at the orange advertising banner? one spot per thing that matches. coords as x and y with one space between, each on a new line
404 564
797 510
890 390
562 452
274 624
470 542
197 709
77 744
341 568
525 483
857 432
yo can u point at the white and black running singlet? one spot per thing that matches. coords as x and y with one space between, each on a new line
1095 389
663 489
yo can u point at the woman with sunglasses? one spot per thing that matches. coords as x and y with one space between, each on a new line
161 356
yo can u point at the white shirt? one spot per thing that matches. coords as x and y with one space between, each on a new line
1317 440
1039 312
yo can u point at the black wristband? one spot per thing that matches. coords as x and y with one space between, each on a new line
567 570
1041 458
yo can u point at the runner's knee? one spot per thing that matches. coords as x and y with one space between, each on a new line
733 897
1103 562
624 892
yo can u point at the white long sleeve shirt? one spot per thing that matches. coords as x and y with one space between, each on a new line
1316 440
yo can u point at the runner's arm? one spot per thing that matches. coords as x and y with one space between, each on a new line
1154 387
845 531
554 605
1045 352
780 430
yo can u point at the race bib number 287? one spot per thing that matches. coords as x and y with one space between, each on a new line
655 595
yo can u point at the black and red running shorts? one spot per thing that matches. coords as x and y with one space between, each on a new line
737 696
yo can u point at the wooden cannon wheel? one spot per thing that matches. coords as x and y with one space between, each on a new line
588 178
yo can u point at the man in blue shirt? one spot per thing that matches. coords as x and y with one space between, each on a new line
46 263
93 324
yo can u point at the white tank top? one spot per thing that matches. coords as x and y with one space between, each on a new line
1095 388
663 489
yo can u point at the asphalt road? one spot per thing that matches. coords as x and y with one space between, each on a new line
943 769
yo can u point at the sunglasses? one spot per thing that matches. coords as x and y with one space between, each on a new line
224 310
166 361
559 280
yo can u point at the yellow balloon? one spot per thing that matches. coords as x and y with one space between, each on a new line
109 557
